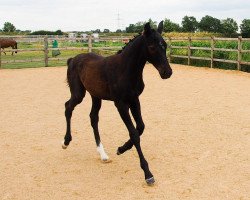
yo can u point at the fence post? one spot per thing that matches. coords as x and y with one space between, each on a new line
170 49
239 52
212 52
189 49
90 44
0 57
46 57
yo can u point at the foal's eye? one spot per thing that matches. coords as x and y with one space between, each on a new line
162 45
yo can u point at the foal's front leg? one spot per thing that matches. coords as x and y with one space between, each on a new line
135 108
123 109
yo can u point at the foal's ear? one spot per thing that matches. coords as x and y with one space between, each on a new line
160 27
147 29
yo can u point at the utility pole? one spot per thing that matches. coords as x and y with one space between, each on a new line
119 24
118 21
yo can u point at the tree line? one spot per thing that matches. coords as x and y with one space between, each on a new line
10 28
227 27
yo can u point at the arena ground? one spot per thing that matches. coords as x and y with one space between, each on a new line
197 138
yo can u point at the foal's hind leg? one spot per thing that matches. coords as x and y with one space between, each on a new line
76 98
136 112
94 118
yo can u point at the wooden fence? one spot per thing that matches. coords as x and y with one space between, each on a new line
170 41
212 49
46 49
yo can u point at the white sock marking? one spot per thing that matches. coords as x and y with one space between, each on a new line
64 146
103 154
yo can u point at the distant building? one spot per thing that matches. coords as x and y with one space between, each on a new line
84 37
95 37
72 36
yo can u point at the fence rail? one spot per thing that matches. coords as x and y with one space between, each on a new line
46 48
170 40
212 49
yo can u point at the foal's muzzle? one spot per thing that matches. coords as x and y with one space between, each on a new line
165 72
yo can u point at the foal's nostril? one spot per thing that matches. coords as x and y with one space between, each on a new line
170 73
167 74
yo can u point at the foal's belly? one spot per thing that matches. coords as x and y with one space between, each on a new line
95 83
98 89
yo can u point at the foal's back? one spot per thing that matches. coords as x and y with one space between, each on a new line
95 72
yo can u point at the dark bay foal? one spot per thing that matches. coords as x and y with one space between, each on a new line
117 78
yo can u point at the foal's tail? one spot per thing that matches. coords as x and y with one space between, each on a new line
74 82
69 71
73 78
69 60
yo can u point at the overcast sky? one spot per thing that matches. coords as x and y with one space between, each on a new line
82 15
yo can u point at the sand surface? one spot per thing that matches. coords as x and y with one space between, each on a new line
197 138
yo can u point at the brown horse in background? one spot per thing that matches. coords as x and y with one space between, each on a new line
5 43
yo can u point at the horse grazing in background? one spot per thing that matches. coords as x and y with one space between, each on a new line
5 43
117 78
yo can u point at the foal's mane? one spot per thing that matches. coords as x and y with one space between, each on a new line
128 44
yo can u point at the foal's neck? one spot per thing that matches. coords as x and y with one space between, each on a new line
134 56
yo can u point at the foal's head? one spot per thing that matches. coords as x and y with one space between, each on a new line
156 50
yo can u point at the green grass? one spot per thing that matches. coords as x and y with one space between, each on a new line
36 55
40 54
71 53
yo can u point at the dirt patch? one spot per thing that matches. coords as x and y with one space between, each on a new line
196 140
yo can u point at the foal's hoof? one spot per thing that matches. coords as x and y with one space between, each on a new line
119 151
150 181
106 160
64 146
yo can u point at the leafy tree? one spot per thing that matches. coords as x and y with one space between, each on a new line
106 30
210 24
59 32
43 32
9 27
97 31
245 28
230 27
169 26
27 31
130 28
118 31
189 24
135 28
139 26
